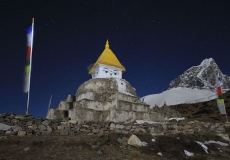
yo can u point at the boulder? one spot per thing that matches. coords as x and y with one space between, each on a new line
41 127
21 133
134 141
49 129
73 122
9 133
112 126
17 128
128 127
65 124
21 117
29 123
96 130
118 126
46 122
4 127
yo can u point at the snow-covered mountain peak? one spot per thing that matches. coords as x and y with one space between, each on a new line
197 84
201 76
207 62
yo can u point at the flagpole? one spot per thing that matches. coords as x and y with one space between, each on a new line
31 48
226 115
47 115
220 99
50 103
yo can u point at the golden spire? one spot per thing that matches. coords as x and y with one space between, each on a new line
107 44
108 58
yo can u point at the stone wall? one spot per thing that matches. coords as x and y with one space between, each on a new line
128 98
95 105
12 124
115 111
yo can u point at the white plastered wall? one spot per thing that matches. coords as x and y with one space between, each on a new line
103 71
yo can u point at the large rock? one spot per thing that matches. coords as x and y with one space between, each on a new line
17 128
9 133
134 141
112 126
96 130
21 117
41 127
21 133
118 126
49 129
4 127
29 123
46 122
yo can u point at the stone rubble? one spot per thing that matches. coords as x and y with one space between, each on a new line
22 125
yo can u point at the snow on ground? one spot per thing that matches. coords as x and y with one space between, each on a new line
144 144
203 146
209 142
149 122
188 153
179 95
177 119
153 122
216 142
159 153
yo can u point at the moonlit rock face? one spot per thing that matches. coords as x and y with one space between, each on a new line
108 86
201 76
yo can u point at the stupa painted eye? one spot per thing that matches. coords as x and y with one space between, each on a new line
115 72
105 70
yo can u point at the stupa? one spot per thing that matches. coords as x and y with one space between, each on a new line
106 97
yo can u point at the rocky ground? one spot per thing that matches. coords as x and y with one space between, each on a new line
177 139
109 146
204 111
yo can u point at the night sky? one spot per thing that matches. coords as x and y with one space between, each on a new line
155 40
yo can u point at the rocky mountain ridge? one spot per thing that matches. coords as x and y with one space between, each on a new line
201 76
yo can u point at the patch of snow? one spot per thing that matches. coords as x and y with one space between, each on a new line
180 95
188 153
177 119
225 90
206 62
159 153
217 142
203 146
149 122
144 144
200 73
